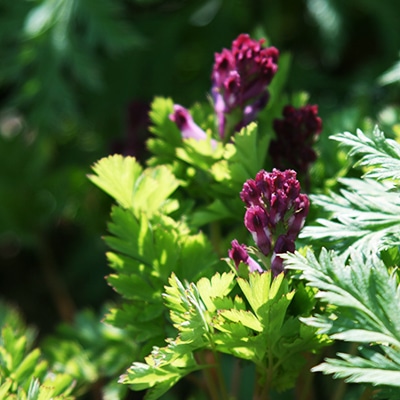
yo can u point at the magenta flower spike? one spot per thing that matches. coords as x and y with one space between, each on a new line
275 212
240 80
238 253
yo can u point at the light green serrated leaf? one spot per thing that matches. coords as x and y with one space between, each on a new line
134 287
141 376
365 215
168 137
152 190
116 175
124 179
220 285
219 209
256 290
246 318
201 154
163 368
188 311
131 236
241 159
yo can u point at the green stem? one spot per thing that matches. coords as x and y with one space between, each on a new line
367 394
213 374
304 385
342 386
236 373
208 377
262 392
215 236
218 370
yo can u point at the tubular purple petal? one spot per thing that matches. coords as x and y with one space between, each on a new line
238 253
185 124
256 221
250 194
300 211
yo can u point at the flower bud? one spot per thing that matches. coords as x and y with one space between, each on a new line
238 254
185 124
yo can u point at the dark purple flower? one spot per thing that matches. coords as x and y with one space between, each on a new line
238 253
240 78
295 135
275 212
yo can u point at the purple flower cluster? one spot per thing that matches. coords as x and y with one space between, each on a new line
295 135
239 81
275 214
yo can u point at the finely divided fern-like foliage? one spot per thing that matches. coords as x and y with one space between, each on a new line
380 154
362 293
366 213
365 298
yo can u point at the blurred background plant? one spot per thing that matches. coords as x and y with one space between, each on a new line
76 80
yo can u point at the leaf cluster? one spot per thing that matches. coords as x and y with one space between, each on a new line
365 215
252 324
50 44
146 244
363 297
89 351
24 373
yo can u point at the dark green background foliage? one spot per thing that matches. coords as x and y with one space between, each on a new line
76 81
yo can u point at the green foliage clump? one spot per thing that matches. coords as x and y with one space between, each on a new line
362 294
252 325
147 244
72 72
24 372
